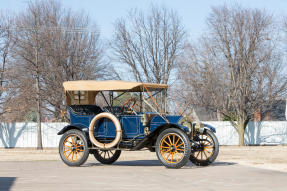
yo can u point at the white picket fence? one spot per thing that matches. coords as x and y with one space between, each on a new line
25 134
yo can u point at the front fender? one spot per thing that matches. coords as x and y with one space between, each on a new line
170 125
182 127
74 126
150 139
209 127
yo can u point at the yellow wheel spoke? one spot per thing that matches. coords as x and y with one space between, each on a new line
179 145
73 140
176 157
73 155
164 147
167 157
69 154
173 139
169 139
207 151
167 151
177 141
166 142
67 150
179 149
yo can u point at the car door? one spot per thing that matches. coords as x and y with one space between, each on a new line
130 125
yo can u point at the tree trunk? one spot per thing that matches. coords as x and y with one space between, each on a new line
39 130
241 136
38 98
241 130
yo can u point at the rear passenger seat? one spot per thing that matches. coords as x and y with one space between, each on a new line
85 109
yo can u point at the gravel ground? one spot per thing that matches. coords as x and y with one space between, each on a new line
266 157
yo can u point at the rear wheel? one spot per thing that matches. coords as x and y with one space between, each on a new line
73 148
107 156
173 148
204 149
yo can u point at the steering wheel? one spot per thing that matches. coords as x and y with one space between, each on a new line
130 104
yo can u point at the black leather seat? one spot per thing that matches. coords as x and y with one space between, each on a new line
85 109
116 110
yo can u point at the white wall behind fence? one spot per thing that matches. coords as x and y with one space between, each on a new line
256 133
25 134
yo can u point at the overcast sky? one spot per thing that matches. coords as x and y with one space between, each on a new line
192 12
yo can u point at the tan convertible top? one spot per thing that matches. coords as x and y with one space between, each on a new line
110 85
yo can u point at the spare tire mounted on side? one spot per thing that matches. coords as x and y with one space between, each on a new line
118 130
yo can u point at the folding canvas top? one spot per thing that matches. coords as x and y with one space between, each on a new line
111 85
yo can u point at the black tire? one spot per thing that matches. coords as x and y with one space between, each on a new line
205 149
107 156
173 142
74 144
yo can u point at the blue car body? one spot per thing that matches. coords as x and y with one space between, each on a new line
131 125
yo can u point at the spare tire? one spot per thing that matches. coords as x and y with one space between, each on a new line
117 124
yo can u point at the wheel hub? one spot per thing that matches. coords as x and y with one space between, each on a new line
201 147
74 148
198 147
172 148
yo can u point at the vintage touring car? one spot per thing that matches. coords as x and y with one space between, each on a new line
101 126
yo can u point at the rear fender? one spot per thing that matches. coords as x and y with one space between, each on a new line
74 126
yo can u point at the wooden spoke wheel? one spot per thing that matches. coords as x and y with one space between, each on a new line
173 148
73 148
107 156
204 149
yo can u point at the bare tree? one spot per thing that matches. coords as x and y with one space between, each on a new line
71 53
53 45
149 44
236 67
28 50
5 53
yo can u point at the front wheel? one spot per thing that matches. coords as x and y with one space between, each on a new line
204 148
173 148
73 148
